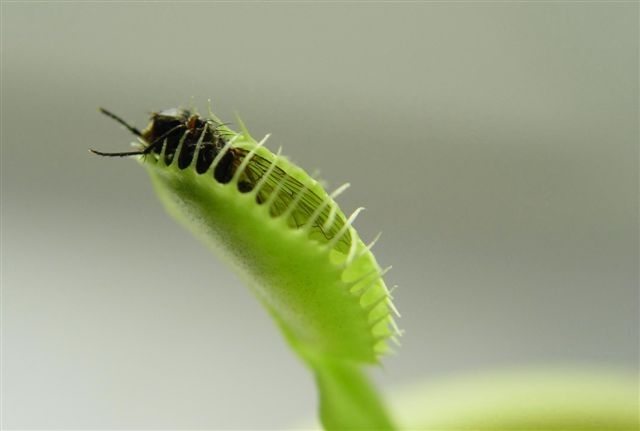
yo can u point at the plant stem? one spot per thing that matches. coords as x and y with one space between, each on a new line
348 400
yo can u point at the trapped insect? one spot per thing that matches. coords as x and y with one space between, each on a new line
181 136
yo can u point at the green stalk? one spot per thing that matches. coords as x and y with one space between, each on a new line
348 400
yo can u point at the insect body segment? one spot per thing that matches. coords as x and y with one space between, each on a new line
182 137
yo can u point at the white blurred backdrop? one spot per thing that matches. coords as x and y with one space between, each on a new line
495 145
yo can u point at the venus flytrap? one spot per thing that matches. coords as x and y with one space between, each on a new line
289 241
302 258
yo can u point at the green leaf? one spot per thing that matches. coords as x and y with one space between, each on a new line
291 244
544 398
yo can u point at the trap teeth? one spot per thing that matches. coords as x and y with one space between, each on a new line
182 141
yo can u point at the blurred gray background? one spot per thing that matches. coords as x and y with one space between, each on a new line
495 145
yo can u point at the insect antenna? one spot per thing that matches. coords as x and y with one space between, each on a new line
122 154
146 150
129 127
